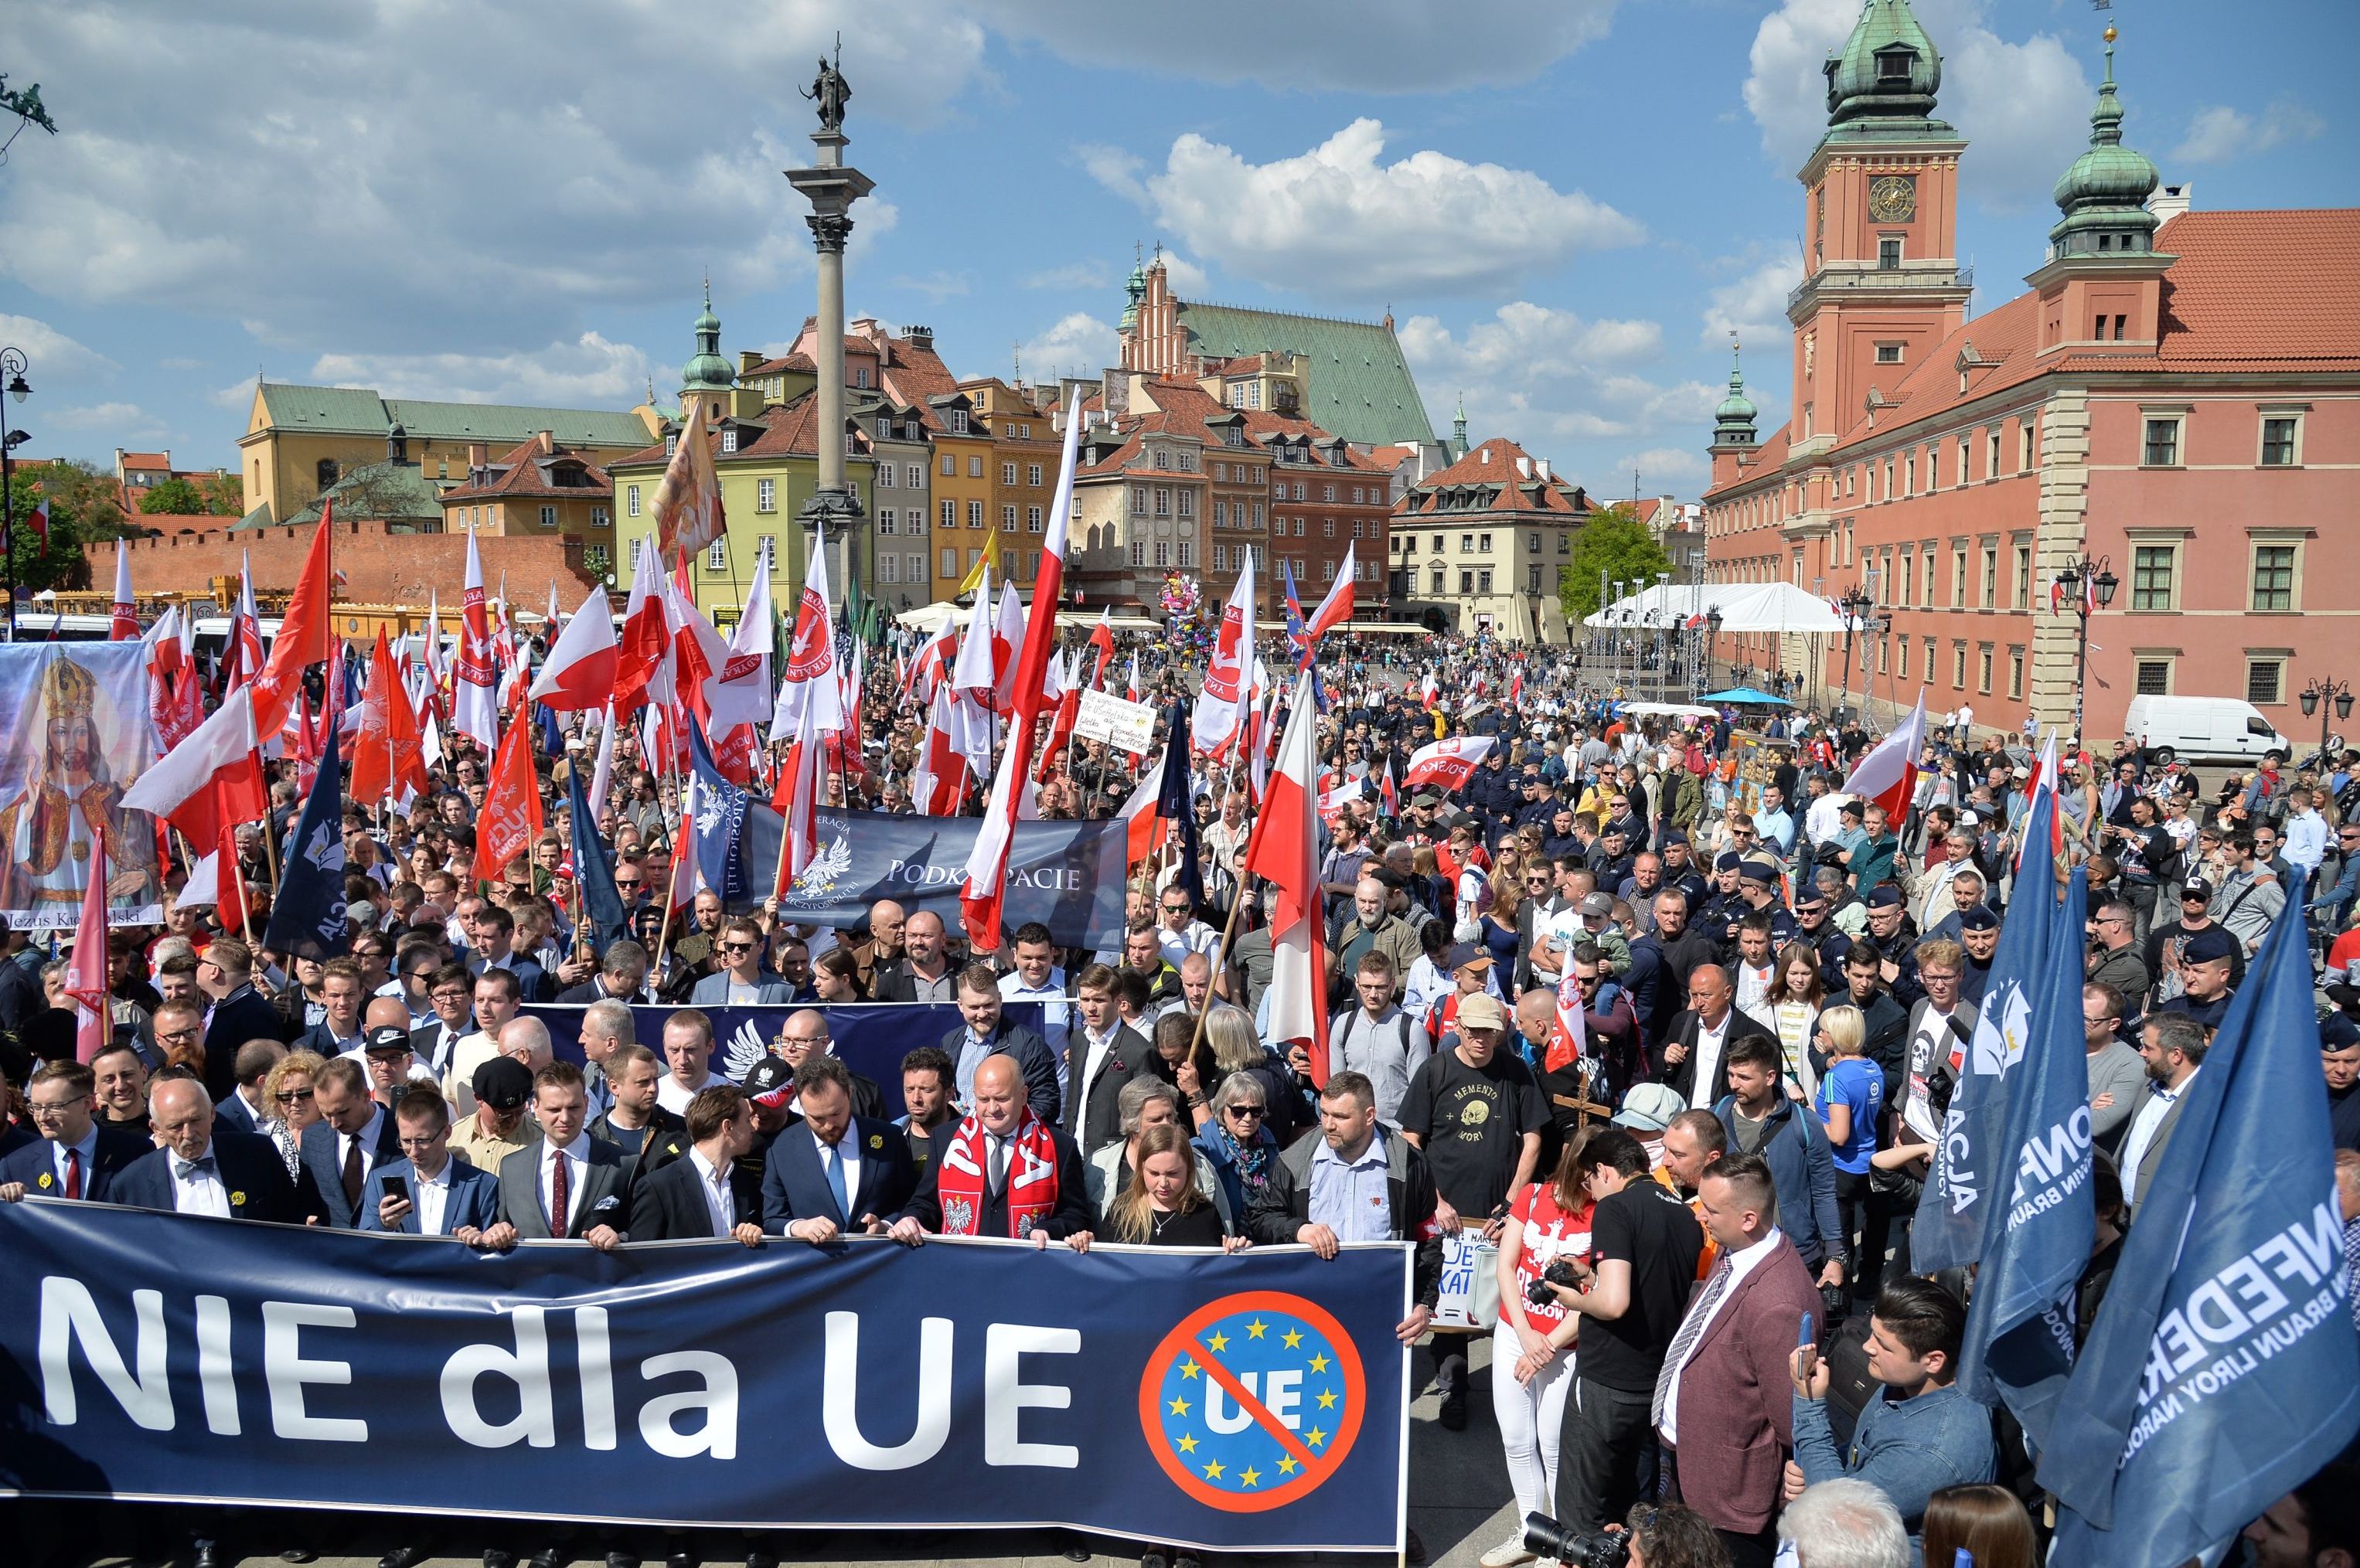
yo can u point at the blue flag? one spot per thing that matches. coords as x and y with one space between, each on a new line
1175 805
719 824
593 871
2223 1368
2037 1240
1971 1161
307 916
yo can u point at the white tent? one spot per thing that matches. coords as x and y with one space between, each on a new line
1743 606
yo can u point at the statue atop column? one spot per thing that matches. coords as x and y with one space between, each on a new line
830 91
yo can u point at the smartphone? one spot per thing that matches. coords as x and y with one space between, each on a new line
398 1187
1807 1342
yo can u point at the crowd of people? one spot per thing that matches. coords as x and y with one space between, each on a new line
1703 1330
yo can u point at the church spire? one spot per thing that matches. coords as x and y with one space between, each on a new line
1732 422
2103 195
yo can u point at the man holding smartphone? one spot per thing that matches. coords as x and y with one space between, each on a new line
428 1190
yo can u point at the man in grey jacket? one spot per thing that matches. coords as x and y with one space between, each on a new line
2116 1072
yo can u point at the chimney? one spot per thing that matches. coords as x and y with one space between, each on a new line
1482 454
478 454
1540 464
2169 201
546 441
1524 466
920 338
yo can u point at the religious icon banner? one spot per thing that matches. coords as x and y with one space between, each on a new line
74 733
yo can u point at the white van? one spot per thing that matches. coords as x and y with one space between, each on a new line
2202 729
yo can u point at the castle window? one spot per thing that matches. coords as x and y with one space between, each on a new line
1888 254
1888 354
1892 64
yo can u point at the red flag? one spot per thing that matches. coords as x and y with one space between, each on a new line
511 818
388 757
1447 764
1102 638
86 970
645 634
1283 852
800 784
303 634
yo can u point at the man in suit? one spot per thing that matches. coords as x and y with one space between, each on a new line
341 993
2173 1045
1695 1054
707 1193
567 1186
451 992
228 1175
242 1110
238 1012
1102 1054
427 1192
987 1034
923 972
833 1171
622 977
740 980
354 1136
493 947
1005 1171
74 1157
1724 1406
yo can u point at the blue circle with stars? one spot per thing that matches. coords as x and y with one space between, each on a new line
1252 1401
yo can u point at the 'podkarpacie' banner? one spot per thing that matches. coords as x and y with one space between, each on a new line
1253 1402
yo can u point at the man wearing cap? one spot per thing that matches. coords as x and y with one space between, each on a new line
495 1128
1612 859
1979 936
1476 1113
1597 914
1470 963
1893 937
2339 1055
1758 894
1718 915
1679 866
2205 986
2167 944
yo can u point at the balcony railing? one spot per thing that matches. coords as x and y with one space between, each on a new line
1869 281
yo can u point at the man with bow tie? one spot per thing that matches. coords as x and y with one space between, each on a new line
197 1171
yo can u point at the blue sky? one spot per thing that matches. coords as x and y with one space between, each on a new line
1567 204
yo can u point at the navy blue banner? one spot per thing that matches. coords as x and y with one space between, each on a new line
1067 876
870 1037
1254 1402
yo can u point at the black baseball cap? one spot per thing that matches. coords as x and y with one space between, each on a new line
503 1082
387 1037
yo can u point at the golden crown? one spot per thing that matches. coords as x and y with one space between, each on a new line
69 689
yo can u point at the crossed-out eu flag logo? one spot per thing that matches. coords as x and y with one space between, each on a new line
1252 1401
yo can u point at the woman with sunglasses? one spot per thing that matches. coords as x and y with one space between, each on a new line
1237 1142
286 1098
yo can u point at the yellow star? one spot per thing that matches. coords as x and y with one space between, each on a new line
1292 1337
1219 1341
1328 1399
1286 1466
1249 1477
1319 1364
1186 1445
1253 1329
1315 1437
1213 1470
1179 1407
1189 1369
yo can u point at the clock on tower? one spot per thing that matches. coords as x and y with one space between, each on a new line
1893 199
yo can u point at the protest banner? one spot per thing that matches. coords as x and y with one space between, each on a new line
74 734
1126 727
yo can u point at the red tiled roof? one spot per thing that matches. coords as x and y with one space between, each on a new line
146 460
787 430
518 473
1493 463
790 361
1388 458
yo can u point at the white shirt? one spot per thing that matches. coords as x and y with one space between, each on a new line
430 1196
1198 937
720 1204
1092 1062
674 1096
1056 1012
198 1192
1741 1264
1709 1043
578 1151
366 1138
1754 985
2144 1127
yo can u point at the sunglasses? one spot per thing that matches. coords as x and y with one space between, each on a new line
291 1097
737 946
1242 1112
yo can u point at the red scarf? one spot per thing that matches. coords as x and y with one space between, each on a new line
1031 1177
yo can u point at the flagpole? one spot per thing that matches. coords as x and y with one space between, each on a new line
1228 931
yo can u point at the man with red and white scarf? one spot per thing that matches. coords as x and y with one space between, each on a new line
1002 1172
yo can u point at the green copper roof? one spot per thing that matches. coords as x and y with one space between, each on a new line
706 370
400 492
1883 81
353 410
1732 422
1356 383
2107 187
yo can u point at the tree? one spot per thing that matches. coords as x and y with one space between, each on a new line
224 494
83 509
1615 543
177 497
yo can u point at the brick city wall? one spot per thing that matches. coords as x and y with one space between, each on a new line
380 568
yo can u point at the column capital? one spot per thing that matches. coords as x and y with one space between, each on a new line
829 232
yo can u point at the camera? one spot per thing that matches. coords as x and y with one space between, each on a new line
1559 1273
1599 1549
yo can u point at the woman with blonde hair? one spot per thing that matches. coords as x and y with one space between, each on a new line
1851 1096
1237 1050
287 1097
1162 1206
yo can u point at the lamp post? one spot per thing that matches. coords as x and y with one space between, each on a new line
2090 586
1712 620
2319 697
13 365
1856 604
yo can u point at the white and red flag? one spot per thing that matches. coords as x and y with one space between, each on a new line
1888 774
2044 782
798 801
1130 688
1228 693
1333 611
1007 633
580 670
475 708
124 627
86 967
1285 852
647 632
739 696
810 674
1448 763
939 781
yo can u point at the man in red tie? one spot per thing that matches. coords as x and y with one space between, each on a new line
76 1158
569 1185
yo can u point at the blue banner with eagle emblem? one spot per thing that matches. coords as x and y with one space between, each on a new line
1248 1402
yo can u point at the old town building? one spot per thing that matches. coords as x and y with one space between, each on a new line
2171 409
1480 545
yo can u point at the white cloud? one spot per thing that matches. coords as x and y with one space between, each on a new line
1367 45
1189 280
374 138
51 358
1754 306
587 371
1078 345
238 396
1117 170
2023 106
2219 133
1660 466
1335 221
1550 379
1073 275
124 419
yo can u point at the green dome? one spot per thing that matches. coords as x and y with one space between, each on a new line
1732 422
1887 69
706 370
2105 191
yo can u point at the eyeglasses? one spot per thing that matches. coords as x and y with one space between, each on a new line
289 1097
55 1107
427 1142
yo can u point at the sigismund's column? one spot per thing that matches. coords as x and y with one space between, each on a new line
832 187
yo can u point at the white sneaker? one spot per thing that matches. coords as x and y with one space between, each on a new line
1507 1554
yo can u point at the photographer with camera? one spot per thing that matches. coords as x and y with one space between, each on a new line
1650 1536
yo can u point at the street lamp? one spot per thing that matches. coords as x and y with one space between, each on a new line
1856 604
2090 585
13 365
1712 620
2318 697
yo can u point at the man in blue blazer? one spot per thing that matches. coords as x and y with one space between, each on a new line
427 1192
74 1157
229 1175
740 980
353 1136
832 1172
986 1034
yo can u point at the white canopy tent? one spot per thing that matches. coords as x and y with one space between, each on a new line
1743 606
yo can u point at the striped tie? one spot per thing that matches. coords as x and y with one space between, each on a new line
1691 1329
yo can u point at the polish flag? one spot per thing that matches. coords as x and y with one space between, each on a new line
211 779
1333 611
219 881
438 679
86 969
1130 689
1008 635
2044 782
125 625
1067 695
1569 1033
1888 773
987 867
175 696
1283 852
646 635
800 784
1446 764
1428 691
304 636
972 730
977 670
1143 828
939 782
475 709
1223 704
1516 689
246 630
579 672
739 697
810 676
